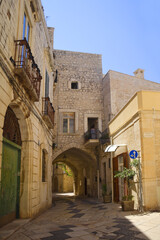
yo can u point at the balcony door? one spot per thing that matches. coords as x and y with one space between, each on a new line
26 28
47 85
93 127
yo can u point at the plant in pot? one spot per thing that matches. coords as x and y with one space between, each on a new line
106 197
128 174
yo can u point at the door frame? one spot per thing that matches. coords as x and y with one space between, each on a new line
9 217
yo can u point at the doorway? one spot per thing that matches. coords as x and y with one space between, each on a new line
10 172
85 186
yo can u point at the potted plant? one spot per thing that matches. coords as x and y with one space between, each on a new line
127 203
128 174
106 197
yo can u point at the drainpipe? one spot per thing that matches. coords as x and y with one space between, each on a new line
112 170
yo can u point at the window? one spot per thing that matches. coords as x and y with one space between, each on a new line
68 122
43 166
74 85
47 85
26 28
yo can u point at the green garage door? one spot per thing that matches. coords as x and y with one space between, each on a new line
10 182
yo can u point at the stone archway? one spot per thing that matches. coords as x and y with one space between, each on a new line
11 162
83 167
22 115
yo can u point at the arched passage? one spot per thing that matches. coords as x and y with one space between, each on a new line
63 178
83 167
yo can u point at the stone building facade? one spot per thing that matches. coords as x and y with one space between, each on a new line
84 96
34 78
78 102
26 111
118 89
137 126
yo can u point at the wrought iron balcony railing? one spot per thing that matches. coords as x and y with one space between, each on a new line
26 69
92 134
103 137
48 111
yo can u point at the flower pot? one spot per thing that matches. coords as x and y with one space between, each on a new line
127 205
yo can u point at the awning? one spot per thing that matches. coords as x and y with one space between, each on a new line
113 148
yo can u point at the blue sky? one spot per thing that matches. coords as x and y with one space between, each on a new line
125 32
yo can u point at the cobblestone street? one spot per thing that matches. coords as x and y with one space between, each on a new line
86 219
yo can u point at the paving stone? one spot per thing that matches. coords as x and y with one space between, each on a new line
91 223
78 215
68 226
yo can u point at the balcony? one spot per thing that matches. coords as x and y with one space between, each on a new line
48 112
91 138
94 137
26 69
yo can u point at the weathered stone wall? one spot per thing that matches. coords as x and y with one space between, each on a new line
118 88
86 69
64 181
35 195
86 102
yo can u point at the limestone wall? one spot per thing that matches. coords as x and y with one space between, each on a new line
141 133
62 182
118 88
131 136
86 69
85 102
35 195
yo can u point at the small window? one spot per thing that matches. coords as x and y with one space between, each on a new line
43 166
46 85
74 85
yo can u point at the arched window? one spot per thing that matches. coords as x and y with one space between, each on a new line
11 130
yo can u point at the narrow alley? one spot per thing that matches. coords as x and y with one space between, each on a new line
86 219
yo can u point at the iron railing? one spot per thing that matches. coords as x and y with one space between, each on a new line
96 134
47 109
24 59
105 136
92 134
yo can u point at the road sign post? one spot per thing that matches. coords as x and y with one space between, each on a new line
134 154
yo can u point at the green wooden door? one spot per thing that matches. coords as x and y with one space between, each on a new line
10 182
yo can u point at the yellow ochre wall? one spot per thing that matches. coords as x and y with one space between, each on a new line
138 126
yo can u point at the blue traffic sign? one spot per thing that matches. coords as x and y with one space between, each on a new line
133 154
